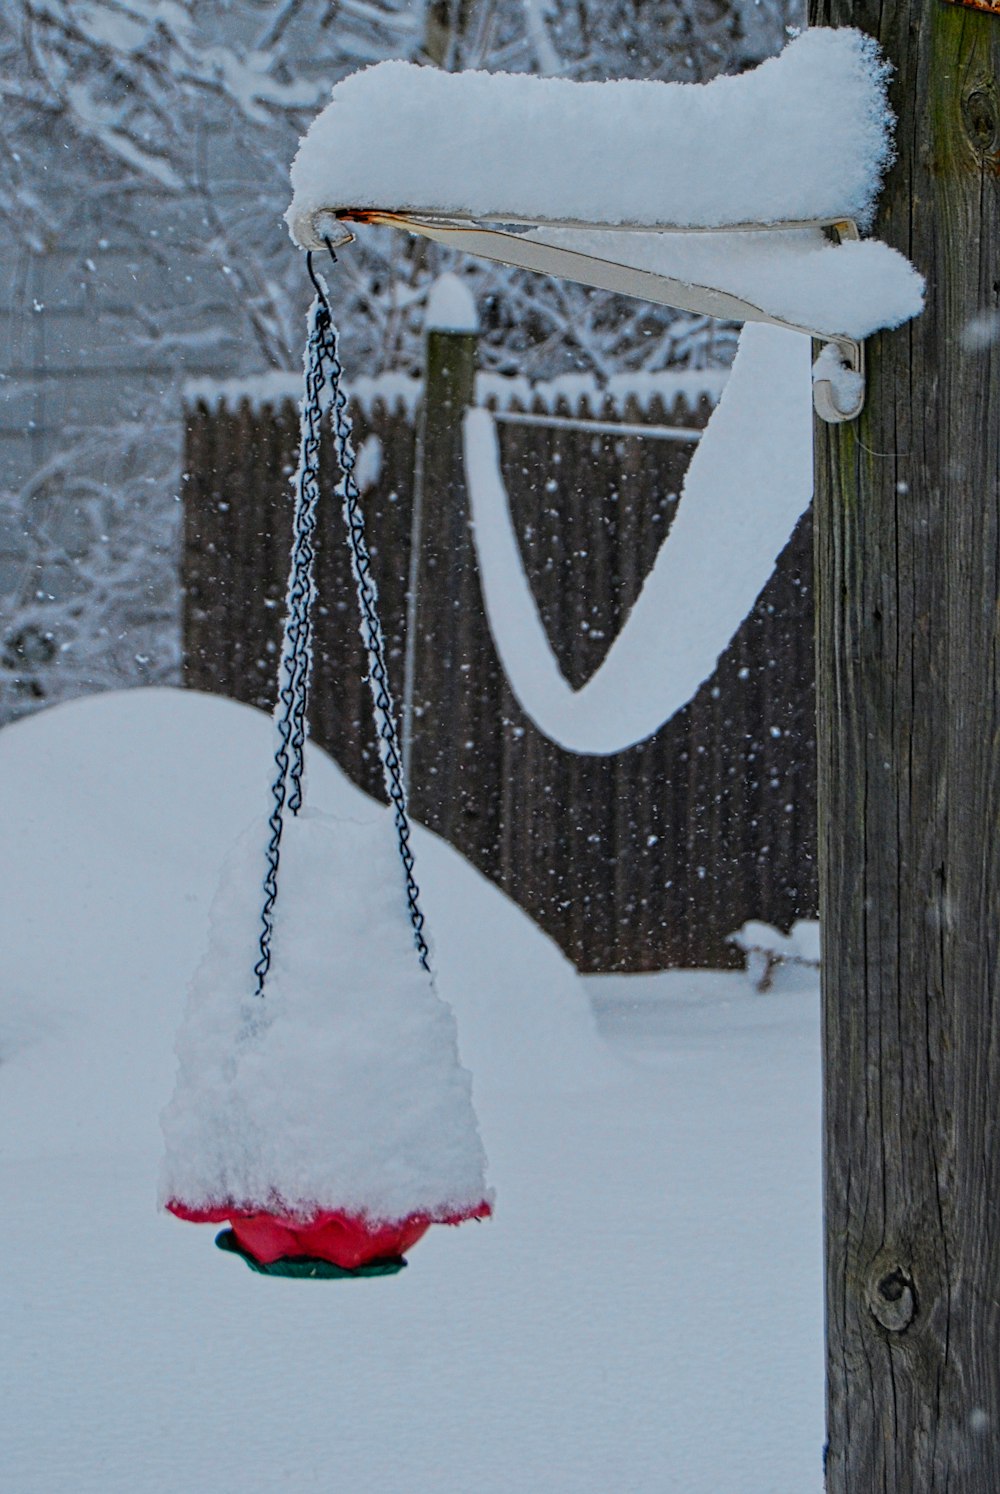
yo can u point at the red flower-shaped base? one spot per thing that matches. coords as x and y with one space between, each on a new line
346 1240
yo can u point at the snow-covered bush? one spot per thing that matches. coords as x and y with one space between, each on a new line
767 949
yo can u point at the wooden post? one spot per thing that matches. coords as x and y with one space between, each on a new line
445 23
450 685
908 582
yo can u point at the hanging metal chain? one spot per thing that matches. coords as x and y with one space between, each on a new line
295 665
324 389
374 641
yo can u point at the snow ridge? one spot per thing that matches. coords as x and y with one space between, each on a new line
804 135
400 392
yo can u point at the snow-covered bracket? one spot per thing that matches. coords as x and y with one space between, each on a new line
742 198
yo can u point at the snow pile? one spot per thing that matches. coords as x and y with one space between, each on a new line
805 135
121 810
342 1088
749 481
639 1186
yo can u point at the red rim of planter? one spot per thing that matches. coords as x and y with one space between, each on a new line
346 1240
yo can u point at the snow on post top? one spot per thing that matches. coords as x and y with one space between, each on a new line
805 135
451 306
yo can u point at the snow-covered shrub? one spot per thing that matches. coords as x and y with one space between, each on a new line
767 949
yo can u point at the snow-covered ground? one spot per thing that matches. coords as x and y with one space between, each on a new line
642 1314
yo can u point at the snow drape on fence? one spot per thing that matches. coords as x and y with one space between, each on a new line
805 135
341 1089
749 481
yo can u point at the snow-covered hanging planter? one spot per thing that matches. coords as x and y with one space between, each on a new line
334 1119
337 1104
321 1109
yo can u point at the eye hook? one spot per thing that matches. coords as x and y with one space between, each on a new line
318 285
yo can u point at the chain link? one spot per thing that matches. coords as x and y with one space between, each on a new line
374 641
324 370
296 652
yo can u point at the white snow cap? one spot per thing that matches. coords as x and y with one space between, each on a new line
804 135
342 1088
451 306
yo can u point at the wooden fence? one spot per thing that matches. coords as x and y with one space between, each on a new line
637 862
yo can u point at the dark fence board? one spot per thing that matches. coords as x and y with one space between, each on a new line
635 862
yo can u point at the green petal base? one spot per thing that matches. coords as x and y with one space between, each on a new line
306 1266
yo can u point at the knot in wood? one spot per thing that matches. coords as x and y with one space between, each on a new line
981 117
892 1300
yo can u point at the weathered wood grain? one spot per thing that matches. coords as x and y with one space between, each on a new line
908 576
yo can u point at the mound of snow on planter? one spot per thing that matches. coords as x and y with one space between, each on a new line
340 1087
